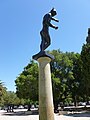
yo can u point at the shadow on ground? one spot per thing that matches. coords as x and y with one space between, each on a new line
26 113
81 114
20 113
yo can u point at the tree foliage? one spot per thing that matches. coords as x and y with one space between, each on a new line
27 82
85 57
64 71
68 72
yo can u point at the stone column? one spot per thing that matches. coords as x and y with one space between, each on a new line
46 110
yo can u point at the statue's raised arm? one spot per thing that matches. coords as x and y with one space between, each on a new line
46 41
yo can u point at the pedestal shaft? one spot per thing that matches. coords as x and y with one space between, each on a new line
46 111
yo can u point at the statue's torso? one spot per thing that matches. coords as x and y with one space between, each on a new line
46 22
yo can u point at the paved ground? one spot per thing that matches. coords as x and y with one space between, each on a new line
20 115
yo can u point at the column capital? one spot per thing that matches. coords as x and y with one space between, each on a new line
42 54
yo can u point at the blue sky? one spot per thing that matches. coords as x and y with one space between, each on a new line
21 22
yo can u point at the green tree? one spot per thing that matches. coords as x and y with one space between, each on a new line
2 93
65 76
85 57
11 98
74 83
27 82
61 71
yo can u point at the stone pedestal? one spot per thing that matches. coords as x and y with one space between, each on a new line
46 109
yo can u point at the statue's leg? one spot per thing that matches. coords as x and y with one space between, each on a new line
43 41
47 41
42 45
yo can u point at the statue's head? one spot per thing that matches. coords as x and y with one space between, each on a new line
53 12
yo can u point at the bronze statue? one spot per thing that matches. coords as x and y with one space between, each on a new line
46 41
